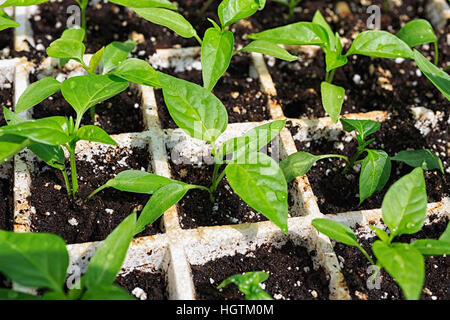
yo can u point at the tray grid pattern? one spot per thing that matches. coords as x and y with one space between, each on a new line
175 249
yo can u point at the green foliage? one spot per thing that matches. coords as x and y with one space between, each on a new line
249 284
6 21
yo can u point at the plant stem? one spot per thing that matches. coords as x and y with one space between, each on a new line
436 54
66 180
198 39
386 6
366 255
83 23
330 76
103 187
73 169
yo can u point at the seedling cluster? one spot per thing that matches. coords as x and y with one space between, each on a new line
40 260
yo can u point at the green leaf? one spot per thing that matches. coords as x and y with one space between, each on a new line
34 260
380 44
425 159
115 53
73 34
405 204
169 19
375 173
51 130
252 141
138 71
446 235
164 198
405 264
67 49
10 145
139 182
431 247
300 33
364 128
298 164
336 231
84 92
320 20
8 294
417 32
270 49
248 284
112 292
95 60
6 21
438 77
261 184
334 60
194 109
380 233
146 4
217 50
107 261
231 11
36 93
20 3
332 99
94 134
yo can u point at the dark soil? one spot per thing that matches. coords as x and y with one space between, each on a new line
6 99
120 114
106 23
93 220
339 193
6 41
437 269
371 84
291 270
153 284
240 94
7 202
196 208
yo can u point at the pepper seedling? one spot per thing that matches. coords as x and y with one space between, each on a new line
249 284
291 4
6 21
404 211
41 260
372 43
46 137
375 166
218 42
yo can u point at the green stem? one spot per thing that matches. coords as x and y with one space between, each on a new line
366 255
330 76
83 23
103 187
386 6
217 181
198 39
73 169
66 180
436 54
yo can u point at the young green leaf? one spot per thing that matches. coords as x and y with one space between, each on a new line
249 284
164 198
380 44
375 173
107 261
67 49
425 159
334 60
146 4
298 164
405 204
431 247
270 49
51 130
417 32
299 33
438 77
6 21
36 93
94 134
10 145
20 3
363 127
73 34
261 184
217 50
446 235
231 11
380 234
138 71
320 20
95 60
405 264
34 260
252 141
115 53
332 99
169 19
84 92
336 231
112 292
194 109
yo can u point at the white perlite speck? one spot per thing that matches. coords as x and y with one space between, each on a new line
73 222
139 293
